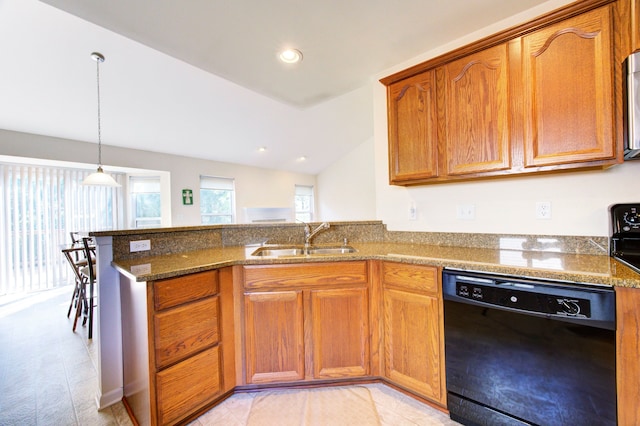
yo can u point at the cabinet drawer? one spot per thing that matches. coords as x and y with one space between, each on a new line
187 329
188 386
305 274
175 291
410 277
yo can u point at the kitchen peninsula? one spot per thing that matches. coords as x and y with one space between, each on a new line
191 314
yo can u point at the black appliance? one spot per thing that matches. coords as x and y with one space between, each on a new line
625 234
528 351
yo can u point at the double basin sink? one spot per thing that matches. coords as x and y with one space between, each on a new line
299 251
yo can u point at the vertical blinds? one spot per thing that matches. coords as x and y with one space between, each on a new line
39 207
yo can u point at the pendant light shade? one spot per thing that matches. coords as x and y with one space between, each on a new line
99 177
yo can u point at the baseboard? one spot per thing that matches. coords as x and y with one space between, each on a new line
108 399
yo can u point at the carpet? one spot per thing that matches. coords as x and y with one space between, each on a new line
337 406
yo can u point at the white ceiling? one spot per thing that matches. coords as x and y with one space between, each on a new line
200 78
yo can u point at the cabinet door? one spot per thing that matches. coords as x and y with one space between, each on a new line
568 91
412 129
635 25
413 329
628 364
474 120
340 333
187 386
274 336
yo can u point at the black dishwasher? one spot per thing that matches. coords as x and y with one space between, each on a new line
528 351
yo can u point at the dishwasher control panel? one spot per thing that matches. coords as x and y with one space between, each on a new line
570 301
525 300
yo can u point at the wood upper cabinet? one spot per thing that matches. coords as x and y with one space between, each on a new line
306 321
568 91
412 128
475 114
413 329
635 25
540 97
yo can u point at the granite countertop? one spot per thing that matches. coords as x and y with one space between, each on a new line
589 268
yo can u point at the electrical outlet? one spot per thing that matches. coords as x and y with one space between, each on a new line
466 212
543 210
413 211
140 245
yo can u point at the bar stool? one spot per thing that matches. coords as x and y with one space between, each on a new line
76 258
85 303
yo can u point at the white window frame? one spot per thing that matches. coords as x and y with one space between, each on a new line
218 183
304 215
144 184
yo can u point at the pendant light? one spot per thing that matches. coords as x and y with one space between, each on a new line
99 177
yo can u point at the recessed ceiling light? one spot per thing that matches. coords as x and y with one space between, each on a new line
302 158
262 149
290 56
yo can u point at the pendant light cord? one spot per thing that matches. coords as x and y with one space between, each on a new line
98 60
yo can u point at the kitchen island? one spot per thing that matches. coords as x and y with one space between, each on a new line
386 264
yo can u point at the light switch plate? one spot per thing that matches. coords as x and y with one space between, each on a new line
466 211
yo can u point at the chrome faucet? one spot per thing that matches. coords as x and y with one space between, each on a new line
309 234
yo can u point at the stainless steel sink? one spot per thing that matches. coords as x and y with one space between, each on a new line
295 251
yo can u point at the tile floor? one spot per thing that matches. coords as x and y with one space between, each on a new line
48 375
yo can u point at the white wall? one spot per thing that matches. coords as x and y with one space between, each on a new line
579 200
346 189
255 187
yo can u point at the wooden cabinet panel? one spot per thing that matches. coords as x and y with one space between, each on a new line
475 120
340 332
568 91
187 386
305 274
543 96
410 277
412 343
412 128
185 330
414 329
187 288
274 336
627 350
635 25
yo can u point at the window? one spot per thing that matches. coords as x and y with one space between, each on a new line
39 207
145 206
304 203
217 200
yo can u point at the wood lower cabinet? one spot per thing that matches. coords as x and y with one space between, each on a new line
188 362
414 329
340 332
627 354
274 336
188 385
184 345
306 322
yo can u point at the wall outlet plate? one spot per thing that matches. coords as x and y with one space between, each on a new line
140 245
543 210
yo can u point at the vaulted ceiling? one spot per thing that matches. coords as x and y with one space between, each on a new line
201 77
